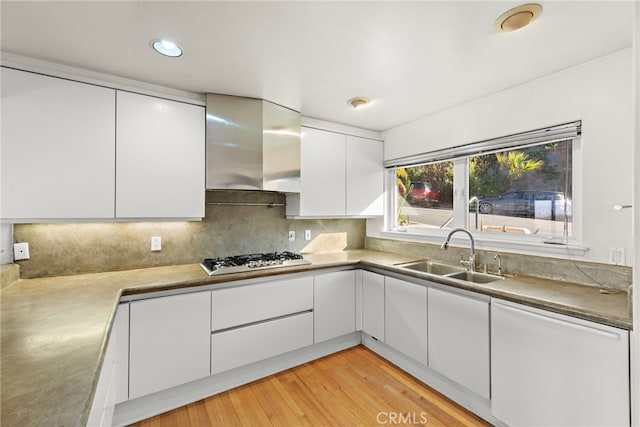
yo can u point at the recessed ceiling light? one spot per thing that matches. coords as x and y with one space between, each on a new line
167 48
358 101
517 17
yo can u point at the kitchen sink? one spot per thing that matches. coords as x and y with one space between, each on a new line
475 277
433 267
453 271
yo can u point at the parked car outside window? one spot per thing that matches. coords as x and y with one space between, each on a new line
422 195
526 203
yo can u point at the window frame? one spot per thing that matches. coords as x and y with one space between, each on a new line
527 244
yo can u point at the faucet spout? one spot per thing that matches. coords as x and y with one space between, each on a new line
499 259
472 249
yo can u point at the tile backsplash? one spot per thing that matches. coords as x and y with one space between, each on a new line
227 229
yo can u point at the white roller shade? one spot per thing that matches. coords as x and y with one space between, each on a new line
524 139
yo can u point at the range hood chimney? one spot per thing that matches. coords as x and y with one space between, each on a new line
252 144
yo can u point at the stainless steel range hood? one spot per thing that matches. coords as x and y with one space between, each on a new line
252 144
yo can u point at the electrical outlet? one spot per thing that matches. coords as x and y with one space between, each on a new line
292 236
307 234
156 243
20 251
616 256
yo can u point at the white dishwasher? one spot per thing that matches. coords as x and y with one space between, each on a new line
549 369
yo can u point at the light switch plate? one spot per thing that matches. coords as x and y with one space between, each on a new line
20 251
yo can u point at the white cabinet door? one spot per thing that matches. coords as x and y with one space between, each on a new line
57 152
549 369
334 305
237 347
406 318
340 175
373 304
322 175
113 381
120 337
169 342
160 158
365 177
459 339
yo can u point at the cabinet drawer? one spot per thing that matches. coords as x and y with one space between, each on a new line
238 347
253 303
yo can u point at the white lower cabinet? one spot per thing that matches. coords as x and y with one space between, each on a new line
169 342
334 304
121 339
373 304
516 364
254 322
244 345
406 318
553 370
459 339
112 386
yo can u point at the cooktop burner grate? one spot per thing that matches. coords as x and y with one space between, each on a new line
240 263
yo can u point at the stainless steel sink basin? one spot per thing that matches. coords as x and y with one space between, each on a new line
433 267
452 271
475 277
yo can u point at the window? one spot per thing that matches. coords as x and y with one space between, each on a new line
519 187
424 195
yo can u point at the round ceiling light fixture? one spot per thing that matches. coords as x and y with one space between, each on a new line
358 101
518 17
166 48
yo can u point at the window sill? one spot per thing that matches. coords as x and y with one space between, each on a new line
492 243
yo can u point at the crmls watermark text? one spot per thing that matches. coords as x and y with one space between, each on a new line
400 418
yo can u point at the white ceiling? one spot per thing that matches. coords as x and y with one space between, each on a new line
410 58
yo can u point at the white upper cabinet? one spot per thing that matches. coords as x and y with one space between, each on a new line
69 149
340 176
57 155
322 175
160 158
365 177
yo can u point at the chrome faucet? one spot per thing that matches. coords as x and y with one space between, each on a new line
499 259
471 264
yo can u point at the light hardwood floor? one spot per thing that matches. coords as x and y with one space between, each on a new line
354 387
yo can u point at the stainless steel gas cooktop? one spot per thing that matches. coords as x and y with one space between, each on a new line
243 263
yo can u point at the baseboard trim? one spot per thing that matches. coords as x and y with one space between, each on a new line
459 394
148 406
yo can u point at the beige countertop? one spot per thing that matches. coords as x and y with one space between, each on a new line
54 330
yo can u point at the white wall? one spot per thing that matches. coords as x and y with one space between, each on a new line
6 243
635 333
599 93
